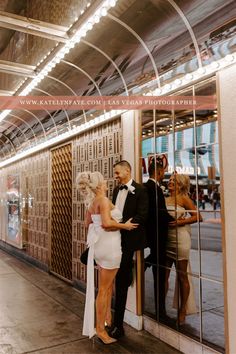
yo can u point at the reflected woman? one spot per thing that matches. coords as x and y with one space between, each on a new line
104 248
182 208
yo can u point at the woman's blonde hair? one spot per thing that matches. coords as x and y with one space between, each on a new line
183 183
87 183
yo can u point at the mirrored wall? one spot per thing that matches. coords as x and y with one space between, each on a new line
183 273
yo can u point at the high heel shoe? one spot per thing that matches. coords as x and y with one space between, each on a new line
108 325
106 339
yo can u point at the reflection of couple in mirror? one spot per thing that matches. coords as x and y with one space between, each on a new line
169 238
178 246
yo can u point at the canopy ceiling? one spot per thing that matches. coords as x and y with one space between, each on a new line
113 58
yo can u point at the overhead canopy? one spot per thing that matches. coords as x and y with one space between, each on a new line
134 43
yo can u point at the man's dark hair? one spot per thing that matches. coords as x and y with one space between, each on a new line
123 163
152 168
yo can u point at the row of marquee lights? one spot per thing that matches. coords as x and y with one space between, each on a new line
179 83
195 76
167 89
100 12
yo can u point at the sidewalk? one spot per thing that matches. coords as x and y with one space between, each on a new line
209 215
42 314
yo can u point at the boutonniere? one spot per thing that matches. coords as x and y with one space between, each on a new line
163 188
131 190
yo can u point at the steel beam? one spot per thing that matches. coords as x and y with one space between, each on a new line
34 27
9 67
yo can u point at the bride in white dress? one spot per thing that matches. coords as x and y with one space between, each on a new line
182 208
104 242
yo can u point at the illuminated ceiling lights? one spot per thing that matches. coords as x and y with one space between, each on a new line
190 78
73 132
176 84
100 12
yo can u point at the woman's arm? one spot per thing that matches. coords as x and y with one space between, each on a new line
188 204
88 220
107 221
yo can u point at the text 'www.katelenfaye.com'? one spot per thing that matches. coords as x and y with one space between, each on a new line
107 102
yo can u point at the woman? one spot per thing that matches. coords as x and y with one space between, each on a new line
182 208
104 247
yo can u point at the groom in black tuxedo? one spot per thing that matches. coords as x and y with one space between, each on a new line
132 200
157 231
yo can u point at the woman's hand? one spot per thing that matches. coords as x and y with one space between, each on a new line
130 226
179 222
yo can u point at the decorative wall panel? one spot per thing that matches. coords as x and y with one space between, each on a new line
35 184
61 211
95 150
33 201
3 206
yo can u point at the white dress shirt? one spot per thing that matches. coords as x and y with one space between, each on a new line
122 195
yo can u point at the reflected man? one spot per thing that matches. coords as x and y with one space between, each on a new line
157 231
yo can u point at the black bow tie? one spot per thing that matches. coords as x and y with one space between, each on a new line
123 187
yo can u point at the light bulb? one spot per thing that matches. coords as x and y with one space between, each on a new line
201 71
229 58
103 11
167 87
89 26
112 3
158 91
83 32
178 82
215 65
96 19
188 77
66 50
57 60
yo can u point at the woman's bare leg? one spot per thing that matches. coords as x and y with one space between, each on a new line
106 278
184 288
108 314
169 263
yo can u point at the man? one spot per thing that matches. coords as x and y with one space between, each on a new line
157 231
132 200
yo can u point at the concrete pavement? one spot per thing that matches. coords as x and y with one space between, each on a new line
44 315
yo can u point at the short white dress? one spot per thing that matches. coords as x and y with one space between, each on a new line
105 248
178 247
178 241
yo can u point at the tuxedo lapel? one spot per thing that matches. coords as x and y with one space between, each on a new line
130 200
115 193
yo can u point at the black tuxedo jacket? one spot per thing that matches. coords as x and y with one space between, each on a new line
136 207
158 219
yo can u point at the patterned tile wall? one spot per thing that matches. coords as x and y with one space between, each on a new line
34 178
95 150
38 206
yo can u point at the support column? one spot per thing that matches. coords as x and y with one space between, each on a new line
130 152
226 81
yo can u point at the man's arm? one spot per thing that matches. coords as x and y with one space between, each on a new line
162 207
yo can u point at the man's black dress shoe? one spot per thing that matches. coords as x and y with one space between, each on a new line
116 332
